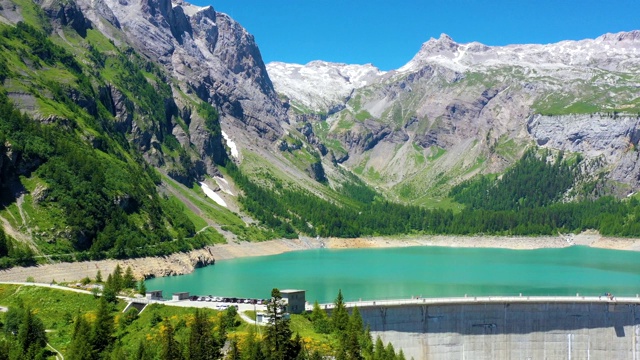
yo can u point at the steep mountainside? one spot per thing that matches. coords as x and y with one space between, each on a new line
110 109
456 110
146 127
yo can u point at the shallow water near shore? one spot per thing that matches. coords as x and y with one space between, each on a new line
394 273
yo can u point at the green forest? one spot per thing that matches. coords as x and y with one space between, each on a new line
526 200
42 322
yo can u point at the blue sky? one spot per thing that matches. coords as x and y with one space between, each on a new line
388 33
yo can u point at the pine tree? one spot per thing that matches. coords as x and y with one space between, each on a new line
32 338
128 281
99 276
170 347
103 328
351 340
142 288
80 347
109 292
4 244
278 333
117 279
320 320
202 344
339 315
378 350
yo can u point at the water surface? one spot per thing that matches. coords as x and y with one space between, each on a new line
416 271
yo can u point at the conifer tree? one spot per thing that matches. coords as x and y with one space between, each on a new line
278 333
32 339
128 281
142 288
170 347
80 347
339 315
117 279
320 320
351 340
109 292
202 343
103 328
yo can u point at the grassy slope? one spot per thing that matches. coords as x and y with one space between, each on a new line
58 308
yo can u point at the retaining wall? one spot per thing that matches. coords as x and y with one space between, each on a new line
507 330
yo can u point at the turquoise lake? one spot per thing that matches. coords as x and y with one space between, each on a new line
394 273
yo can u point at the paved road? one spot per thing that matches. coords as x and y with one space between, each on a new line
487 300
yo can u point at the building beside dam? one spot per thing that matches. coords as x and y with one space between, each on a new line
508 327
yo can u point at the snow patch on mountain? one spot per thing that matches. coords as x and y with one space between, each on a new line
212 195
320 85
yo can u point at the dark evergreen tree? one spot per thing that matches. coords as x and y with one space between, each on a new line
339 315
202 344
277 339
128 281
103 328
142 287
320 320
80 347
31 338
169 348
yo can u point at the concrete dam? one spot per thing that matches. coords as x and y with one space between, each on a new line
508 327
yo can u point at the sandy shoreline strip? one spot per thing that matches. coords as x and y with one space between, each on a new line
184 263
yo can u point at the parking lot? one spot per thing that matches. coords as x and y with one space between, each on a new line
220 303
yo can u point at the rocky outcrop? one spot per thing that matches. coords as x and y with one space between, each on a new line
613 138
67 13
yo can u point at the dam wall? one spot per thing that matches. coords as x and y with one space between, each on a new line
509 329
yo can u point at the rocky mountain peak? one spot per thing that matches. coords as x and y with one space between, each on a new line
620 50
621 36
208 51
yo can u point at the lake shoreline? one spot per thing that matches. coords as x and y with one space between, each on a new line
184 263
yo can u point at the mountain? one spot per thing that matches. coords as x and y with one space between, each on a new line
114 112
320 86
146 127
457 110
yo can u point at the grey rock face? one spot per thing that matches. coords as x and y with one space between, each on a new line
211 56
611 138
67 13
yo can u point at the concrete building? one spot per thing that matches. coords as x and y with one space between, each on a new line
180 296
154 295
295 300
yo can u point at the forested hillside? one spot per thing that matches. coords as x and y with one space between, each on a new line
81 326
76 173
105 141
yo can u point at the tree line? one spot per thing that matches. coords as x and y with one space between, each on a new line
197 335
527 200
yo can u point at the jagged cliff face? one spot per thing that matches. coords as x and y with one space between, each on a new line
456 110
209 54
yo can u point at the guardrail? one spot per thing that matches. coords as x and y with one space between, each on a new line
489 300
